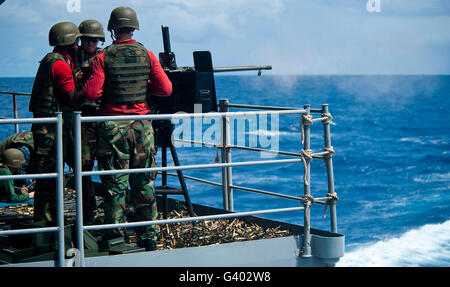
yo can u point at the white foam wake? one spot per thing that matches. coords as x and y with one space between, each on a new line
272 133
428 245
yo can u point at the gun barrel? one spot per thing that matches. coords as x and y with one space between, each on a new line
166 39
241 68
169 56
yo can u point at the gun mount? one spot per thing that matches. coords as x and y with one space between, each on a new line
190 86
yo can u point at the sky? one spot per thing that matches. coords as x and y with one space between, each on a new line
299 37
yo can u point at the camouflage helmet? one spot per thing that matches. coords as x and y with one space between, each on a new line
63 34
122 17
92 28
13 157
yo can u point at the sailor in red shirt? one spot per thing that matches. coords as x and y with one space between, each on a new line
62 74
159 85
53 87
122 76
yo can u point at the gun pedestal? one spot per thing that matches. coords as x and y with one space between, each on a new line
163 131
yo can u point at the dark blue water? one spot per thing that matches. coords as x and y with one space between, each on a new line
392 162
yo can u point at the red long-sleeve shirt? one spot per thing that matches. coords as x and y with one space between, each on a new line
159 84
62 75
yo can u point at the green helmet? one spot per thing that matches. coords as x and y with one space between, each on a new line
122 17
63 33
92 28
13 157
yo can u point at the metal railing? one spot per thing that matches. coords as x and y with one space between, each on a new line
304 157
307 200
14 100
58 174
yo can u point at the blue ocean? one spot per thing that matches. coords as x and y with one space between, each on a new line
392 163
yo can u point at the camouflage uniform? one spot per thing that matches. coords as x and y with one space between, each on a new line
44 161
15 140
88 150
125 145
83 62
88 138
24 142
127 67
43 103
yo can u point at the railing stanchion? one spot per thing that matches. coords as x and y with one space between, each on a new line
306 251
78 185
223 107
227 178
329 164
229 168
60 190
16 125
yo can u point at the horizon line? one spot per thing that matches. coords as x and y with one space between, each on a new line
283 75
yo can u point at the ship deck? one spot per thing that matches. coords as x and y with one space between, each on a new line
243 241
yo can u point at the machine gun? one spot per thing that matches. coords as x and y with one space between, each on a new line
190 86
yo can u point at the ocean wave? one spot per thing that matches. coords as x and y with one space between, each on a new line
245 179
283 134
433 177
412 140
428 245
425 140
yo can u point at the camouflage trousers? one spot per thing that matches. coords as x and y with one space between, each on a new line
128 145
88 151
44 162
